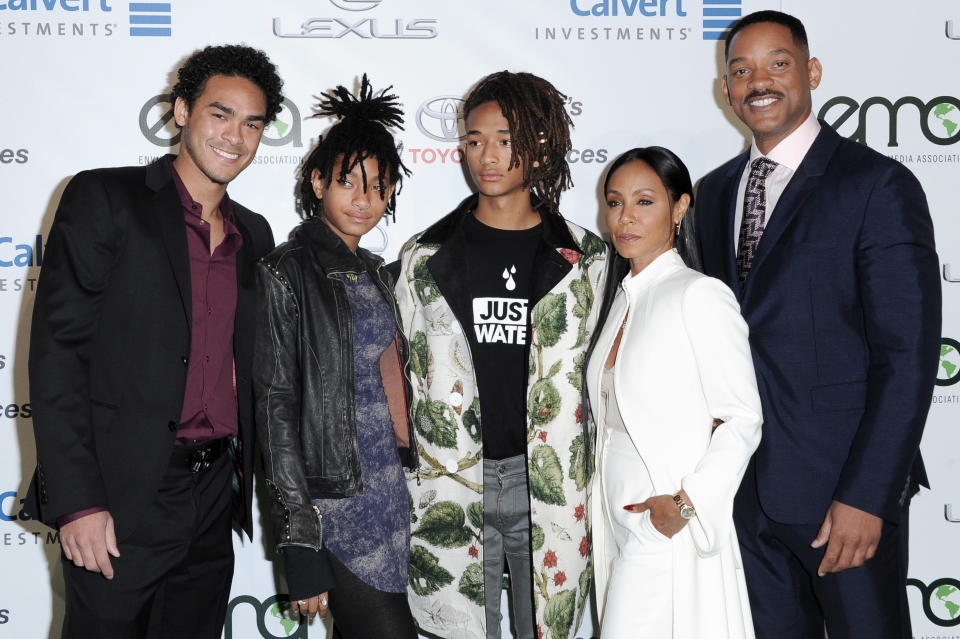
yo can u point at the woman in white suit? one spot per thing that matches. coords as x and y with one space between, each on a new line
672 389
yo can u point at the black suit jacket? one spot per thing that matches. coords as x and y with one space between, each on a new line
110 343
843 305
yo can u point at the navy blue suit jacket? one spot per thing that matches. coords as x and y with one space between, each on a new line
843 305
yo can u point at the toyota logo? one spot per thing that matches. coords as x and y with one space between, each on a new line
439 118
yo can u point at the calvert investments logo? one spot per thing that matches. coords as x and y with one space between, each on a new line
636 20
365 28
18 253
940 600
938 118
84 18
150 19
11 507
273 617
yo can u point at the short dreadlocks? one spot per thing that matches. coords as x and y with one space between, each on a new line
539 130
361 133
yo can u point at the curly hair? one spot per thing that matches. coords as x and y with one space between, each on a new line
539 130
230 60
360 133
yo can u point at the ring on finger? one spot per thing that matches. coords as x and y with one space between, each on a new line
323 602
302 603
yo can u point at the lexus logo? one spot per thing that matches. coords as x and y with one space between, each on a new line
355 5
439 118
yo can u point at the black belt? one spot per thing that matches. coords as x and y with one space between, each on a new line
198 457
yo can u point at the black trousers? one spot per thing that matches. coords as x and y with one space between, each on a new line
789 600
173 576
360 611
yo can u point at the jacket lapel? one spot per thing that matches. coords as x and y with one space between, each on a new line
449 270
727 232
550 266
814 165
168 213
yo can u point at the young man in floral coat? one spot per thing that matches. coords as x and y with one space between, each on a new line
498 302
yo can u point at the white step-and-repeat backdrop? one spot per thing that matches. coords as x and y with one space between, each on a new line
85 84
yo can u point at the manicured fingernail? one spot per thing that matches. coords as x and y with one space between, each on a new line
628 508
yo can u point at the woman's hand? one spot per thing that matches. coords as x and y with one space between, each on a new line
312 606
664 514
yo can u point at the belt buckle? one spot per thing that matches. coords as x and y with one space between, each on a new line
199 460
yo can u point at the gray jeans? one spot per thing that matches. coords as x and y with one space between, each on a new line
506 534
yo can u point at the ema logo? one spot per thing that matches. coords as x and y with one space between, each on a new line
948 372
939 117
274 619
940 600
366 28
157 112
150 19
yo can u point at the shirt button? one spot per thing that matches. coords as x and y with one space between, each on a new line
204 406
172 425
207 357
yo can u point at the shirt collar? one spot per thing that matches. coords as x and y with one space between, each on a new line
191 206
792 149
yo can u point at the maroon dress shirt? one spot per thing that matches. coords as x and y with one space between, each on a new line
210 400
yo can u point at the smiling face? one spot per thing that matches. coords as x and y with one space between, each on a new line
349 209
641 214
488 152
768 82
221 131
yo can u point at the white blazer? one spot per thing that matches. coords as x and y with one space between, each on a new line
684 360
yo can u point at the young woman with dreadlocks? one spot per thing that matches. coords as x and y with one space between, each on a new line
328 381
497 299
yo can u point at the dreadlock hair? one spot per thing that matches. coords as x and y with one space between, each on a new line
539 131
361 133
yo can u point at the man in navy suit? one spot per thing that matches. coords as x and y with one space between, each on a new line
829 247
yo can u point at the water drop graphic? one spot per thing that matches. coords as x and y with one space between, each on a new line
511 283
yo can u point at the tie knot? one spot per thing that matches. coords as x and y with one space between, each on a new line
762 167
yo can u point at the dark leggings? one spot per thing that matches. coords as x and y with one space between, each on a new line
360 611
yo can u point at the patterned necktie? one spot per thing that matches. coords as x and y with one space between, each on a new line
754 214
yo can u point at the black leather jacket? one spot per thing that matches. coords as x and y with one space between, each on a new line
303 378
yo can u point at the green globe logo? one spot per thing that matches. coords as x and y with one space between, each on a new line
945 601
948 373
944 117
280 614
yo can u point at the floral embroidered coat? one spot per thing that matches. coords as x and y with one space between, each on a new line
446 564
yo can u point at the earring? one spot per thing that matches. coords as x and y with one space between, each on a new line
676 229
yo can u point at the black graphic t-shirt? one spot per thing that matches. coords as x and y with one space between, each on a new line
500 264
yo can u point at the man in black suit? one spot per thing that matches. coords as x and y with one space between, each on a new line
140 357
829 247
